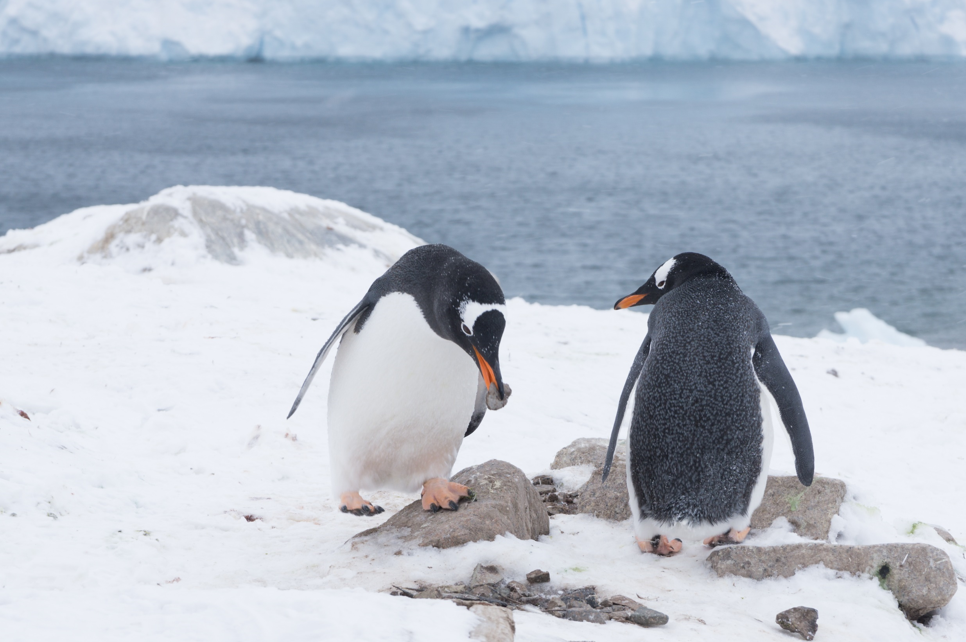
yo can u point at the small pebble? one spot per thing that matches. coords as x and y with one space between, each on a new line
493 401
801 619
647 617
538 577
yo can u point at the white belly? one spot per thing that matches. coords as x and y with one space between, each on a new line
400 400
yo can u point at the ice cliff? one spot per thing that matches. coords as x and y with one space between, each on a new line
485 30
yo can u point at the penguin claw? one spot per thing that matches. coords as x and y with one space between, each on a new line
359 506
660 545
440 494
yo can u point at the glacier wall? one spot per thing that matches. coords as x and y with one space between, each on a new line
485 30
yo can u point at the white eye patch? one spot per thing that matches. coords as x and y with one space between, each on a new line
660 277
470 311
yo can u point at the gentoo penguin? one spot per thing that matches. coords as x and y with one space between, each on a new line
701 387
417 367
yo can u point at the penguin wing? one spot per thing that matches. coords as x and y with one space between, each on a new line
361 307
632 377
479 410
772 372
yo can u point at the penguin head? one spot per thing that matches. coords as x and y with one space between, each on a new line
479 333
470 311
672 274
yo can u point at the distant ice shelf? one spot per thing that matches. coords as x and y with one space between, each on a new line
486 30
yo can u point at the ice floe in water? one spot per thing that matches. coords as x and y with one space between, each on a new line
863 325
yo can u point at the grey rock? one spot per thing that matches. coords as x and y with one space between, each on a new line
538 576
496 624
583 615
505 502
809 509
486 574
801 619
543 480
581 596
604 500
582 452
493 401
920 576
647 617
517 590
623 602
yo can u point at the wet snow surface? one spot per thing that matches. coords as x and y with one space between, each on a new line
157 491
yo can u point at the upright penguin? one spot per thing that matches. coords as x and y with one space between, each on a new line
701 387
417 367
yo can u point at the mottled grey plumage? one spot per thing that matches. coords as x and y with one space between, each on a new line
696 436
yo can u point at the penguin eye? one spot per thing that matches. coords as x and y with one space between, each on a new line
467 331
661 284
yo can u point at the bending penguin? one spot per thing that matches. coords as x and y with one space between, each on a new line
417 366
700 393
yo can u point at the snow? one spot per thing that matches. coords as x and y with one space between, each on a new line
485 30
157 380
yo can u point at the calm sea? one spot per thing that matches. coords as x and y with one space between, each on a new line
821 186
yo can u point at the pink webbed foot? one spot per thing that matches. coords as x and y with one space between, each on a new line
660 545
352 502
440 494
731 537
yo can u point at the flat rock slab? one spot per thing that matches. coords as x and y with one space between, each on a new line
920 576
801 619
506 503
809 509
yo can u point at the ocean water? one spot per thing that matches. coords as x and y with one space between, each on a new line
820 186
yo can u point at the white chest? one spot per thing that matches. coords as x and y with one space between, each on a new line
400 400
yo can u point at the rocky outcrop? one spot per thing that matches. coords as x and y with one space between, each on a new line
809 509
919 575
505 503
488 587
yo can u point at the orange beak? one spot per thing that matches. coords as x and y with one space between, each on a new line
485 369
628 301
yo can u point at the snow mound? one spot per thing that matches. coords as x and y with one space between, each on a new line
863 325
186 224
487 30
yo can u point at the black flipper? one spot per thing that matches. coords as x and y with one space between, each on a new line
479 410
632 376
772 372
361 307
